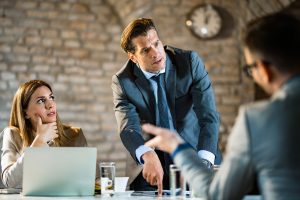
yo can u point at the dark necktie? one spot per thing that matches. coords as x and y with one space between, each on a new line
162 104
163 121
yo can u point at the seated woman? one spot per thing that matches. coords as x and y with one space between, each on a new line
34 122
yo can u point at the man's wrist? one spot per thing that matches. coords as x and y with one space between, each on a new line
179 148
146 156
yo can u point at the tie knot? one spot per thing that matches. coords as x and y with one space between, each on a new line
157 78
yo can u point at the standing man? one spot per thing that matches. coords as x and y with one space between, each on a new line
170 88
264 144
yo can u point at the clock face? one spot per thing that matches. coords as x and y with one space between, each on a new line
204 21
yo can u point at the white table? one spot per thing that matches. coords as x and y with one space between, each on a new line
118 197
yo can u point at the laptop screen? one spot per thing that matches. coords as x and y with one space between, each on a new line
59 171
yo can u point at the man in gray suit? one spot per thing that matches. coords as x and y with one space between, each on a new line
170 88
263 147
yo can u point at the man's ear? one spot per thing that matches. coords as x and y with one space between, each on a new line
131 56
265 71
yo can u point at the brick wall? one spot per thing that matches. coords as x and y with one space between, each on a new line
74 45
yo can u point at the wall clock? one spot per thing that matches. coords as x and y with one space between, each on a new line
204 21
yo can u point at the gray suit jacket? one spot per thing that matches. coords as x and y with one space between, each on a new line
263 147
190 98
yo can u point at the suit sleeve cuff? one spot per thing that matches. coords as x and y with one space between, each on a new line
140 151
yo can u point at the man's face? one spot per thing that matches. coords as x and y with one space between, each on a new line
149 52
258 72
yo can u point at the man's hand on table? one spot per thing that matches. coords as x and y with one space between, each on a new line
153 171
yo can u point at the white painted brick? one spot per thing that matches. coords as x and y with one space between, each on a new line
8 76
66 61
41 68
63 78
19 68
71 44
3 85
5 48
23 77
13 85
59 86
47 77
3 66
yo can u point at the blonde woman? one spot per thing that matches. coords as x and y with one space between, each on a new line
34 122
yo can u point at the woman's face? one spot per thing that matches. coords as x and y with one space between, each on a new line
41 104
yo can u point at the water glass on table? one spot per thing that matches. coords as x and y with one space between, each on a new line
107 177
177 182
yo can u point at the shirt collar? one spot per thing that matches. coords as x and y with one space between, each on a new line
149 75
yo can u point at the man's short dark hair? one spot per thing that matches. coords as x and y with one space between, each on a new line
136 28
276 39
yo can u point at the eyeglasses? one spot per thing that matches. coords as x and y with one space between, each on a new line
249 68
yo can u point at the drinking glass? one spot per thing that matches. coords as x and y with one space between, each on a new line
107 177
177 182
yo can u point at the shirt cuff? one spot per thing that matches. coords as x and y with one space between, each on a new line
140 151
207 155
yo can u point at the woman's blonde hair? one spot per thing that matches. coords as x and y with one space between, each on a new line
17 115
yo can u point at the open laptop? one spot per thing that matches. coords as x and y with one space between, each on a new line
59 171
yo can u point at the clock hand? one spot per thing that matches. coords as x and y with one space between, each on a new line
207 18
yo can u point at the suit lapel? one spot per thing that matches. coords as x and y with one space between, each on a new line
146 90
170 81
